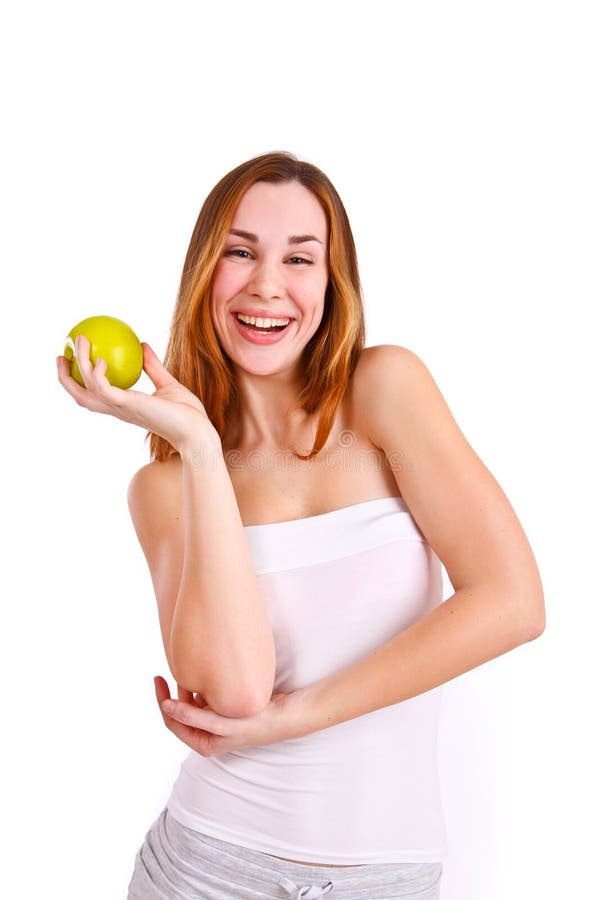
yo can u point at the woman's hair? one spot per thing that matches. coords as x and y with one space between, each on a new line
194 356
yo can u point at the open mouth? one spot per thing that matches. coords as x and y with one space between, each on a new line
259 334
261 329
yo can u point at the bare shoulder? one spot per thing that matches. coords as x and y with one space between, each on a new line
396 391
378 368
153 474
455 500
154 498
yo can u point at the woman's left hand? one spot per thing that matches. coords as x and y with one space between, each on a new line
205 731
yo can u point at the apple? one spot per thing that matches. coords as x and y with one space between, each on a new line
114 341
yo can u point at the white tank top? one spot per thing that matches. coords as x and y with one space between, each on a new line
336 587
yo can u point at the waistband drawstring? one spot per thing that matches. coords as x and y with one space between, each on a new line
308 892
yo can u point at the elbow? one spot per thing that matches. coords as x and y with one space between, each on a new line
533 619
251 707
231 704
537 628
236 707
231 691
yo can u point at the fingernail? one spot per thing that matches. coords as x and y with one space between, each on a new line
168 706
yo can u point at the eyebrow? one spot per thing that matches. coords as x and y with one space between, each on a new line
293 238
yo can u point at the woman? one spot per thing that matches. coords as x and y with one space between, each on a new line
302 495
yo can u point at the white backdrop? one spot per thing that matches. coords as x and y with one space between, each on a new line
463 139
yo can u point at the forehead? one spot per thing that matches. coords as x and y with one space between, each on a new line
267 208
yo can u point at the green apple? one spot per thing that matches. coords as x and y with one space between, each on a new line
114 341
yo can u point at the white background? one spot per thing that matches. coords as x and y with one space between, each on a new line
463 139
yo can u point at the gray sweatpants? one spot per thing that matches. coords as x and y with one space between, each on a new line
176 862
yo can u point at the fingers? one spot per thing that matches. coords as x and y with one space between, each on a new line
198 740
82 356
154 368
192 736
98 393
93 374
190 697
67 380
195 717
184 694
161 689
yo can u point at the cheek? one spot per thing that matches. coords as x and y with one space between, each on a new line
320 281
308 281
219 284
313 290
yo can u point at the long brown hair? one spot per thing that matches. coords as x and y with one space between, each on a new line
194 356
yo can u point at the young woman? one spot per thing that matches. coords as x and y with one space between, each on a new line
302 495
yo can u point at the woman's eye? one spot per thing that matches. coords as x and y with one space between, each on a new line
232 252
295 259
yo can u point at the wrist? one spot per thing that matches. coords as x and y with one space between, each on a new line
300 713
201 451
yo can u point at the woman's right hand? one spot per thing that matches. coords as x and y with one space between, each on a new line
173 412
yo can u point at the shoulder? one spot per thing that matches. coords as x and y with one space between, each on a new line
407 417
155 473
388 376
381 355
154 494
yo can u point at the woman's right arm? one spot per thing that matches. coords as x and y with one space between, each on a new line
215 628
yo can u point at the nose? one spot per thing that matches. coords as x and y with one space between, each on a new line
308 892
266 281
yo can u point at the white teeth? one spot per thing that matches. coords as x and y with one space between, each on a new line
262 323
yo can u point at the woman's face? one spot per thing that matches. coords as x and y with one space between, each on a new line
277 269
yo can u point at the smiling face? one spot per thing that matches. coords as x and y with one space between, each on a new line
274 267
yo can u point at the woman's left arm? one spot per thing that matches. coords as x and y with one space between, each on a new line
466 518
468 521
